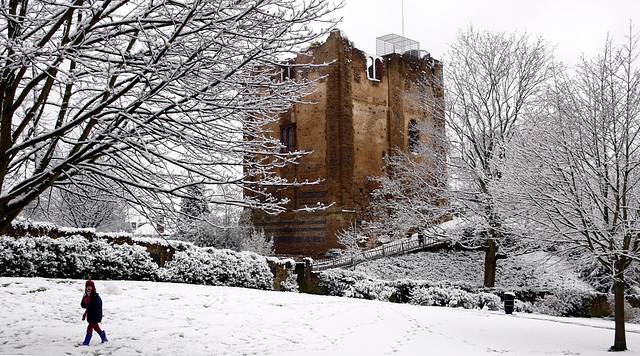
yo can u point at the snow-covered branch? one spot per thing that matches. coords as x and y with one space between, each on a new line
149 95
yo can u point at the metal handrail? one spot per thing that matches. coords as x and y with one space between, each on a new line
397 247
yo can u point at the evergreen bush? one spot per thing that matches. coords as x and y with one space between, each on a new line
560 302
220 267
75 257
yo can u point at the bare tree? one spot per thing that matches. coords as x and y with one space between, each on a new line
195 205
80 206
152 96
87 207
226 227
413 194
352 238
576 176
492 80
219 228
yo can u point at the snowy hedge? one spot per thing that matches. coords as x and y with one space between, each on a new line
344 283
455 298
74 257
443 293
533 271
220 267
77 258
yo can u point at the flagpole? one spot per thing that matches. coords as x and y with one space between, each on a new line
402 18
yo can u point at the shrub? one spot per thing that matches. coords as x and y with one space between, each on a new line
560 302
220 267
489 300
459 298
15 258
111 261
522 307
428 297
74 257
565 303
290 284
455 298
77 258
345 283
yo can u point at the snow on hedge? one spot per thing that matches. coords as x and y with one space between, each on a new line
76 257
454 279
537 271
45 228
48 226
220 268
339 282
455 298
73 257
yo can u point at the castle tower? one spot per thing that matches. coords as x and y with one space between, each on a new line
359 112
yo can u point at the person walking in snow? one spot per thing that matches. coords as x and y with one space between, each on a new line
93 304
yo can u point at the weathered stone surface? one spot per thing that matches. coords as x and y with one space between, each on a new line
350 123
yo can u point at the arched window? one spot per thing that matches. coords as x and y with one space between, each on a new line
370 67
374 69
288 137
414 136
378 64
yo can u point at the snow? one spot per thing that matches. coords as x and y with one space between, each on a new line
146 230
537 271
43 316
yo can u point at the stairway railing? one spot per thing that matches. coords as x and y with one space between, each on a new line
396 247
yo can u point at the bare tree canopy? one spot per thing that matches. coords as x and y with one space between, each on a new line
492 81
575 171
80 207
413 194
150 95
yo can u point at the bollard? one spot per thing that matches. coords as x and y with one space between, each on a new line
509 299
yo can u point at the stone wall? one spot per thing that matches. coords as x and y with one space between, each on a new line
350 123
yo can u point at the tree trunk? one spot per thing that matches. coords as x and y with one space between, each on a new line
490 263
620 341
6 219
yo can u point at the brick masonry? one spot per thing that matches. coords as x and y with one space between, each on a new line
350 123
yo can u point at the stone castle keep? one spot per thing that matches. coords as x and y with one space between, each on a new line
361 110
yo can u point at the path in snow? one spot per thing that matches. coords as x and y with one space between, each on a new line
43 316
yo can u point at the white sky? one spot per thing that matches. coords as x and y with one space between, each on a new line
573 26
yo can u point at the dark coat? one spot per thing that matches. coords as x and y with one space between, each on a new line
94 308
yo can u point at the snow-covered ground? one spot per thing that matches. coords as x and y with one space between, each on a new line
43 316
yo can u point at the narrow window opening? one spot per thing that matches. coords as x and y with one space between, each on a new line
414 136
374 69
290 140
287 73
288 137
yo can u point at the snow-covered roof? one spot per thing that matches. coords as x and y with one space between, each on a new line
146 229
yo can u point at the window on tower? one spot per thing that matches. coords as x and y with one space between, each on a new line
414 136
287 73
374 69
288 137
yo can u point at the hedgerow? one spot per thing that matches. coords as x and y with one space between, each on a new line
75 257
344 283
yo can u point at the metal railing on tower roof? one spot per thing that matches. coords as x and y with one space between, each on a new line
393 43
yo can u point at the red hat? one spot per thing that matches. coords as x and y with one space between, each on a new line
90 283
